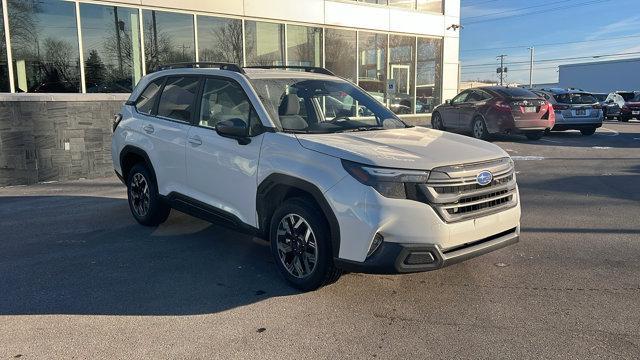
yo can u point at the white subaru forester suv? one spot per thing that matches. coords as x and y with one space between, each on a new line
330 176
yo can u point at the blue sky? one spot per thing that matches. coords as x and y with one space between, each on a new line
494 27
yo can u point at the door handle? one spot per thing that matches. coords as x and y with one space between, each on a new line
148 129
195 140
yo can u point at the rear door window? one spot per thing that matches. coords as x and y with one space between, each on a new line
178 98
147 100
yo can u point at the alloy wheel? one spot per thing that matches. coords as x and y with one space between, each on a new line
297 246
478 129
139 194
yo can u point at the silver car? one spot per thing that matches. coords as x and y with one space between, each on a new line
574 110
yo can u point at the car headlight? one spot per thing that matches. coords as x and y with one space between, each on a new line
388 182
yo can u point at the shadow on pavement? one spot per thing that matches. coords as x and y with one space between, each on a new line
86 255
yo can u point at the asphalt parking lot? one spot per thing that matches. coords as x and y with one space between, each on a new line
80 279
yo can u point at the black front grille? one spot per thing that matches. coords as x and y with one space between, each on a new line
463 209
471 187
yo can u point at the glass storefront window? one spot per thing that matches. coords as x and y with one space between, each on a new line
219 39
372 67
407 4
304 46
111 45
402 51
4 67
379 2
340 48
429 79
431 6
168 38
44 44
264 43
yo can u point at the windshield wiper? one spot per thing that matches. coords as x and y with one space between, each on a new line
362 128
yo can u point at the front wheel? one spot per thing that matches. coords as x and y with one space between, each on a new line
479 129
588 131
301 245
436 122
534 135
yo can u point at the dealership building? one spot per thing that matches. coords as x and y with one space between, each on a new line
66 67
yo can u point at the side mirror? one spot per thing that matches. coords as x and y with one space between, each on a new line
234 129
447 102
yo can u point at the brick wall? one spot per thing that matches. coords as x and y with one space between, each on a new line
55 137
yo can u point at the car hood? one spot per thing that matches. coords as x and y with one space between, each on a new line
410 148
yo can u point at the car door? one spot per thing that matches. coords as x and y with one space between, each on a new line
166 127
451 117
469 107
222 171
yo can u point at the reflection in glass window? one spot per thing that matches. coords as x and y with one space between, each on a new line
429 79
401 73
304 45
264 43
220 39
4 68
372 70
168 38
407 4
148 98
111 45
44 44
430 5
340 46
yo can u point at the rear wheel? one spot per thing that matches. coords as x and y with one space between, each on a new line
301 245
144 201
479 129
588 131
534 135
624 118
436 122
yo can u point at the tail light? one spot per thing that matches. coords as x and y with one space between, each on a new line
116 120
552 115
502 106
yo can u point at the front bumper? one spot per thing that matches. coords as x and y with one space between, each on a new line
395 258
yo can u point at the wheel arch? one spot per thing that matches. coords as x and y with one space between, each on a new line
276 188
131 155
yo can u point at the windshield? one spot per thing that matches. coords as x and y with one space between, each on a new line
575 98
627 96
323 106
515 92
636 98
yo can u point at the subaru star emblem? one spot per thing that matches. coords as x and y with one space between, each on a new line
484 178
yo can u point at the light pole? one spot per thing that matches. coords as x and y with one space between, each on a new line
501 70
532 49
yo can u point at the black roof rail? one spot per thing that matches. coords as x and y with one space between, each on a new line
311 69
219 65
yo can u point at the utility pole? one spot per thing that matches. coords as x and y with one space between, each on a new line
532 49
501 70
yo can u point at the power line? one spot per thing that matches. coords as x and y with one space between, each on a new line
545 11
553 44
517 10
560 59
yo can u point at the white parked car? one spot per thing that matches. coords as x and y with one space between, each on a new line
356 190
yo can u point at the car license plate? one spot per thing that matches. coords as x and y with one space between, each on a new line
529 109
635 113
581 112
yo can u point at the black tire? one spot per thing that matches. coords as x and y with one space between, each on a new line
588 131
534 135
624 118
156 211
324 271
609 117
479 129
436 122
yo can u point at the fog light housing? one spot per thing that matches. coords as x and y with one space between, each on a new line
375 244
419 258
